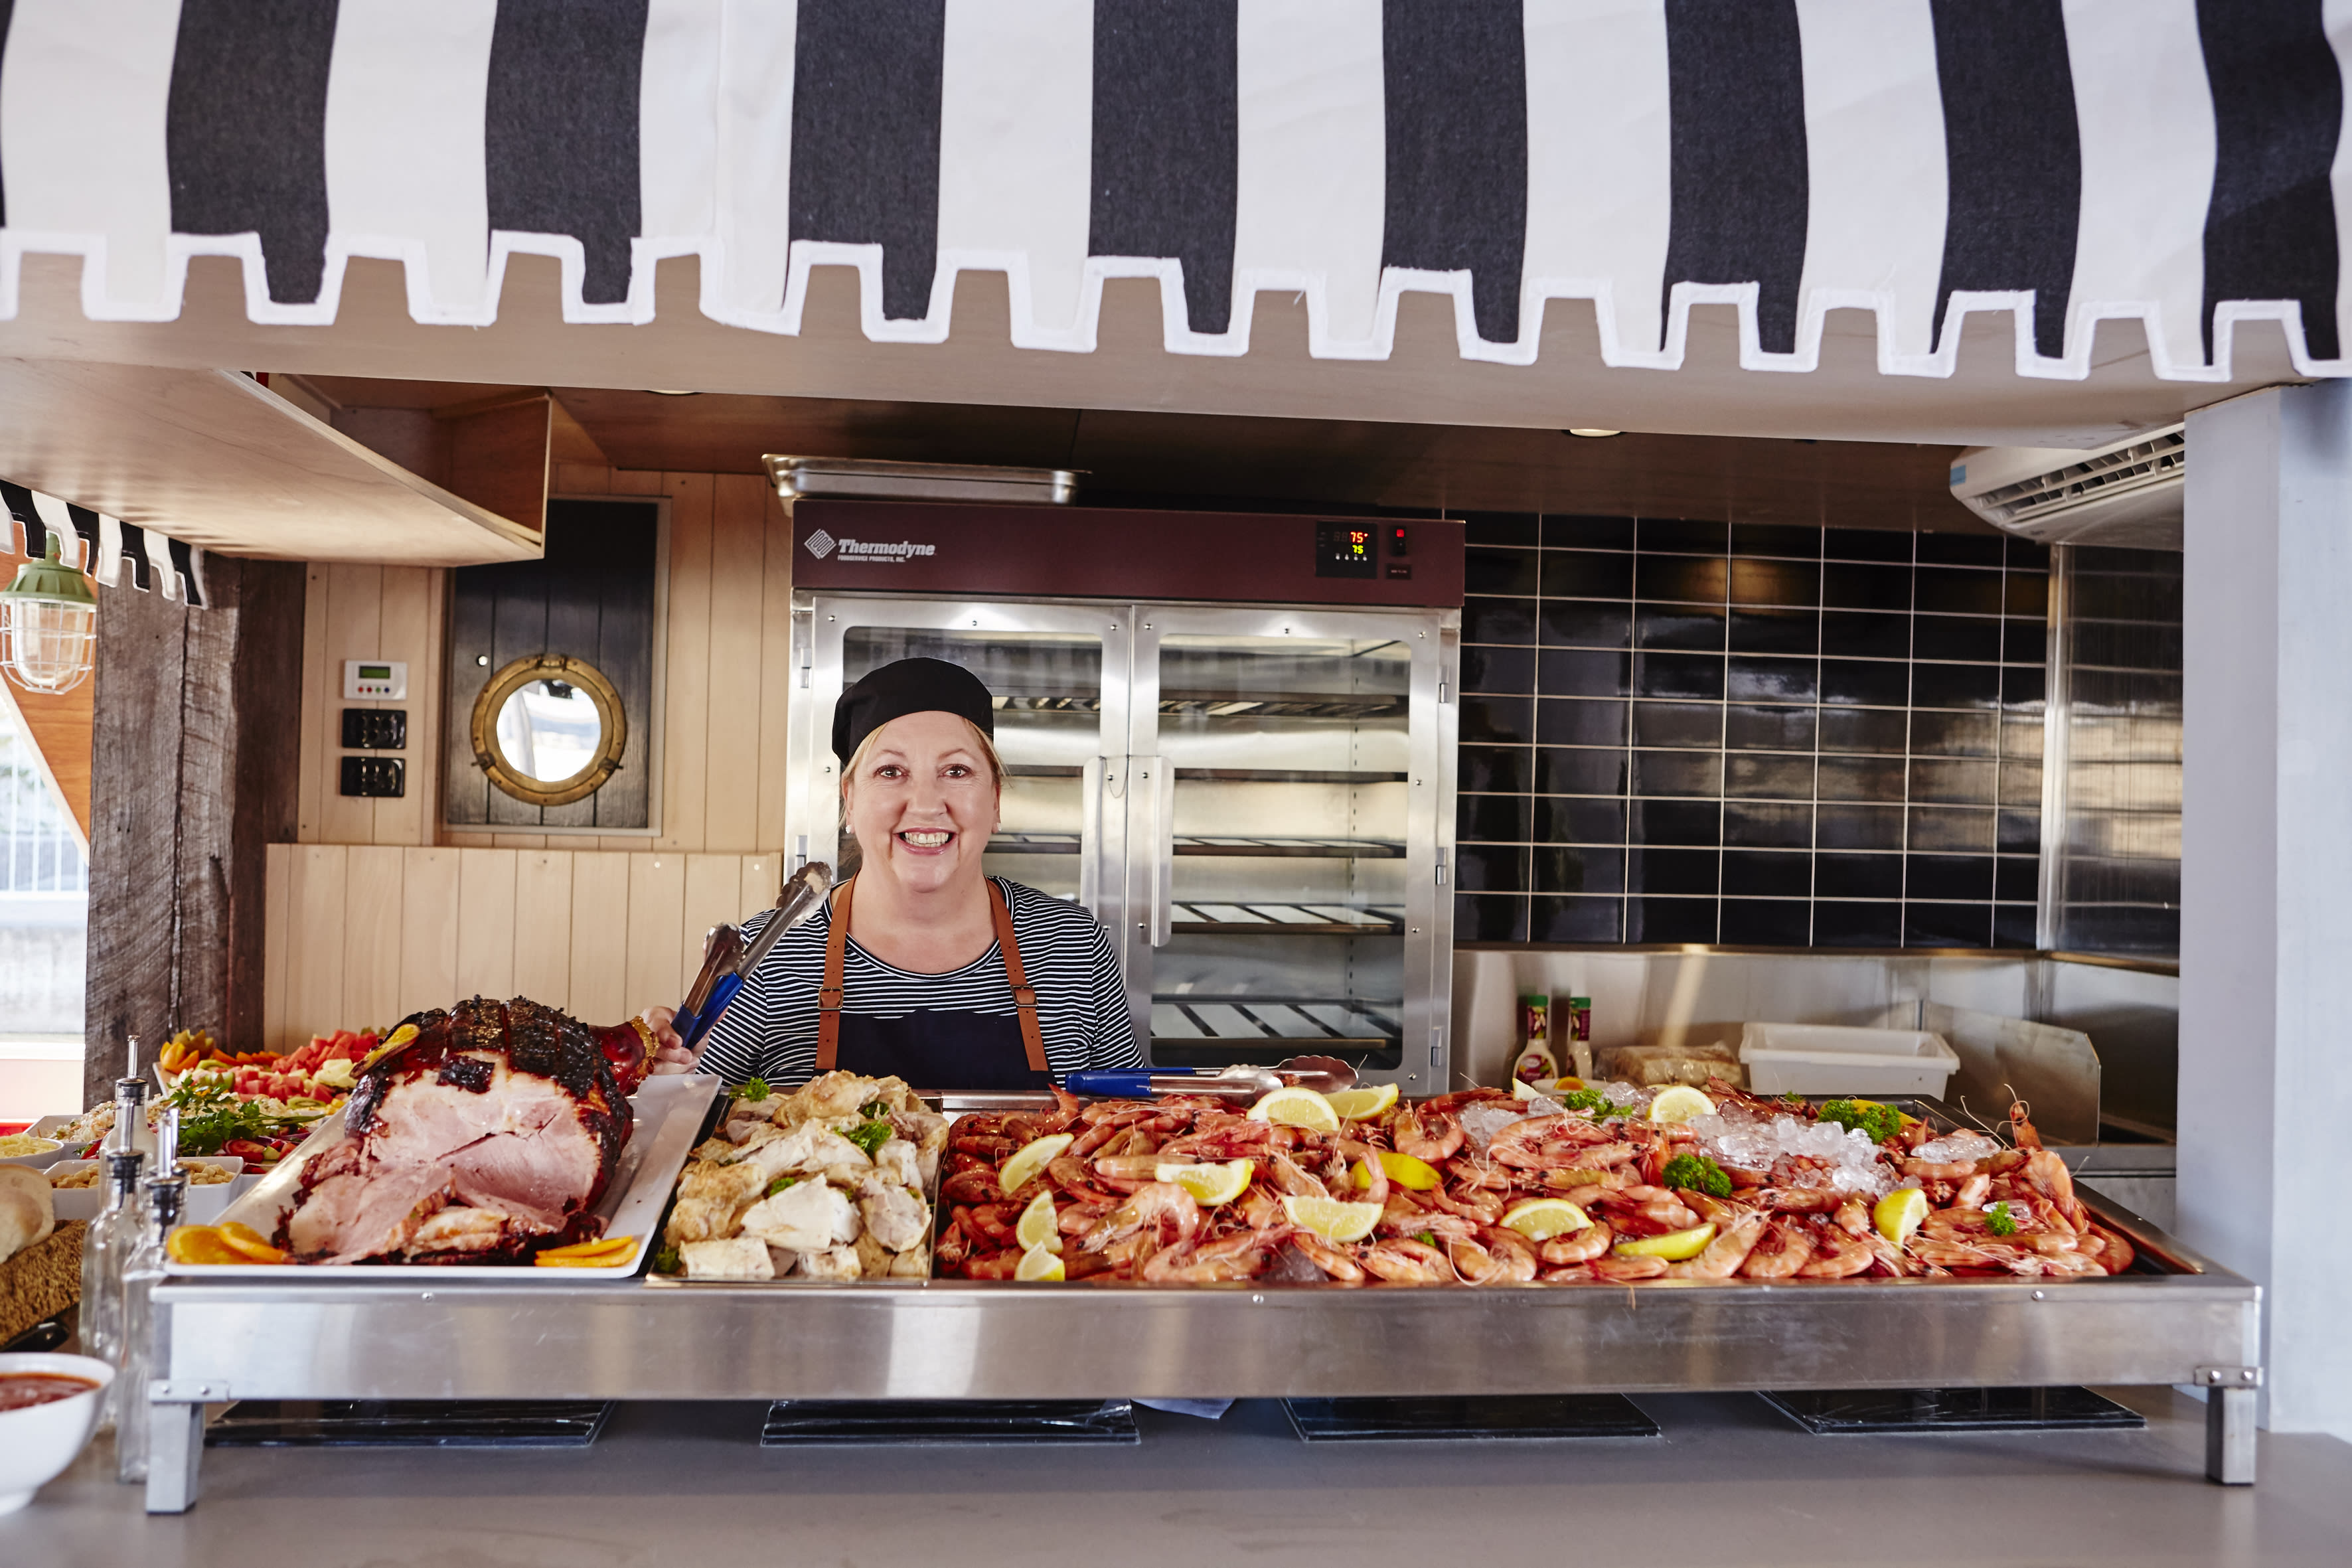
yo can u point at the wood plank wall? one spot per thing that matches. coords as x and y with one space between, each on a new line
727 672
377 910
360 936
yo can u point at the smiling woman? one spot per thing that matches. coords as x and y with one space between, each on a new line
924 967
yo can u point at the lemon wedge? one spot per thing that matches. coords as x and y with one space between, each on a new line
1031 1158
1039 1264
1674 1247
1210 1184
1402 1168
1362 1104
1678 1103
1037 1227
1330 1218
1899 1213
1540 1219
1293 1106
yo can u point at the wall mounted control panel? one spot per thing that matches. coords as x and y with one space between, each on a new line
379 778
375 679
375 729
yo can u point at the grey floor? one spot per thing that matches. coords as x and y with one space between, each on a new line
1728 1482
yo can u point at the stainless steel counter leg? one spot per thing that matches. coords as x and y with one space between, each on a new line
175 1450
2229 1435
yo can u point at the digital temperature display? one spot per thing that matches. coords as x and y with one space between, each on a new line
1345 550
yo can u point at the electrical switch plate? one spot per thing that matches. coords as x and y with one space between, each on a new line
375 679
375 729
382 778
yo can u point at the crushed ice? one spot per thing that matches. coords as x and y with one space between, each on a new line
1954 1147
1481 1123
1849 1160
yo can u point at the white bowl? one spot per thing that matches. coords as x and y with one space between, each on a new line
205 1204
38 1442
41 1161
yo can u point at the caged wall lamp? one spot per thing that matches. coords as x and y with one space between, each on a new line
49 625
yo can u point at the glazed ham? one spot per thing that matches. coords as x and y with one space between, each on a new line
489 1133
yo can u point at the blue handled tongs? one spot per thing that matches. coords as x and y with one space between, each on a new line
728 959
1324 1075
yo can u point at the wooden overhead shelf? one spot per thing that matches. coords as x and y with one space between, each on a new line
216 459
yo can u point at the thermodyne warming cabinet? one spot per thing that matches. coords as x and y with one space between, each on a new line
1230 736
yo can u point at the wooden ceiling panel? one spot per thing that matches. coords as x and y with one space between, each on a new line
1848 484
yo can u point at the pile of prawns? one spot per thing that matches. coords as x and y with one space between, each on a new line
1120 1222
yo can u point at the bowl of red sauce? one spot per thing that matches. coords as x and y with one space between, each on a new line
48 1404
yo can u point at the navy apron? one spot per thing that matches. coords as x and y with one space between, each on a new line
928 1050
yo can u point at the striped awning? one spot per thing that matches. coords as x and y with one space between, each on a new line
114 553
2064 161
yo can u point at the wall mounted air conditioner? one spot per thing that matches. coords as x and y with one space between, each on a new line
2126 494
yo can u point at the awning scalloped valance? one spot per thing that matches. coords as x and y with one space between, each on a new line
115 552
2174 161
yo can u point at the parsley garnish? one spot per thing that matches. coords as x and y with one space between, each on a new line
1696 1172
778 1186
1998 1221
1876 1123
752 1089
870 1136
1585 1101
668 1261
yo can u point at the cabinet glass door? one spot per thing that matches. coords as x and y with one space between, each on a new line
1058 677
1288 819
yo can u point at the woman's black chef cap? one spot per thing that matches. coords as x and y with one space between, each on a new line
908 686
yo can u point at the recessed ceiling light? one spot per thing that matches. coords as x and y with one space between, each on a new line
673 391
1595 435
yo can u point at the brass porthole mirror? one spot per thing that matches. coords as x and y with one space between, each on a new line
548 730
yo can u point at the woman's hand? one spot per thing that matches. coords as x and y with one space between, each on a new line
670 1055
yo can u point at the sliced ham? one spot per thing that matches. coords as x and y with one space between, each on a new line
491 1133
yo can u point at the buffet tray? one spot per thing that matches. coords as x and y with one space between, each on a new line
668 1112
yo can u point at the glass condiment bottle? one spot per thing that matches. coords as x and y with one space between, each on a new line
164 1195
131 1129
106 1248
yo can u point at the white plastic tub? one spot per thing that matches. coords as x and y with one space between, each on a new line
1821 1058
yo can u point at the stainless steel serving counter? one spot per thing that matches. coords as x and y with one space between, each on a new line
345 1338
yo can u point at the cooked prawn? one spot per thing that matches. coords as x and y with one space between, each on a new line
1152 1208
1578 1246
1407 1262
1785 1246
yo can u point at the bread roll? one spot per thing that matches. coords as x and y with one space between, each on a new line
28 1213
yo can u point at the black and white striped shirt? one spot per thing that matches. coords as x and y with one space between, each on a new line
769 1031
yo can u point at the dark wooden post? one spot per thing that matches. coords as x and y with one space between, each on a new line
192 771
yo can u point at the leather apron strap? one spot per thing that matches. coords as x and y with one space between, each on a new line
1032 1039
828 995
837 953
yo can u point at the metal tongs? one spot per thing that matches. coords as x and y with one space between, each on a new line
728 959
1324 1075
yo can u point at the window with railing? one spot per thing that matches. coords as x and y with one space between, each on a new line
39 850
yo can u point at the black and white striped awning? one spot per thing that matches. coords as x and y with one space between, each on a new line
115 552
2066 161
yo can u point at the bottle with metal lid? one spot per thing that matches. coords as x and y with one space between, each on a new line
131 1129
106 1248
164 1198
